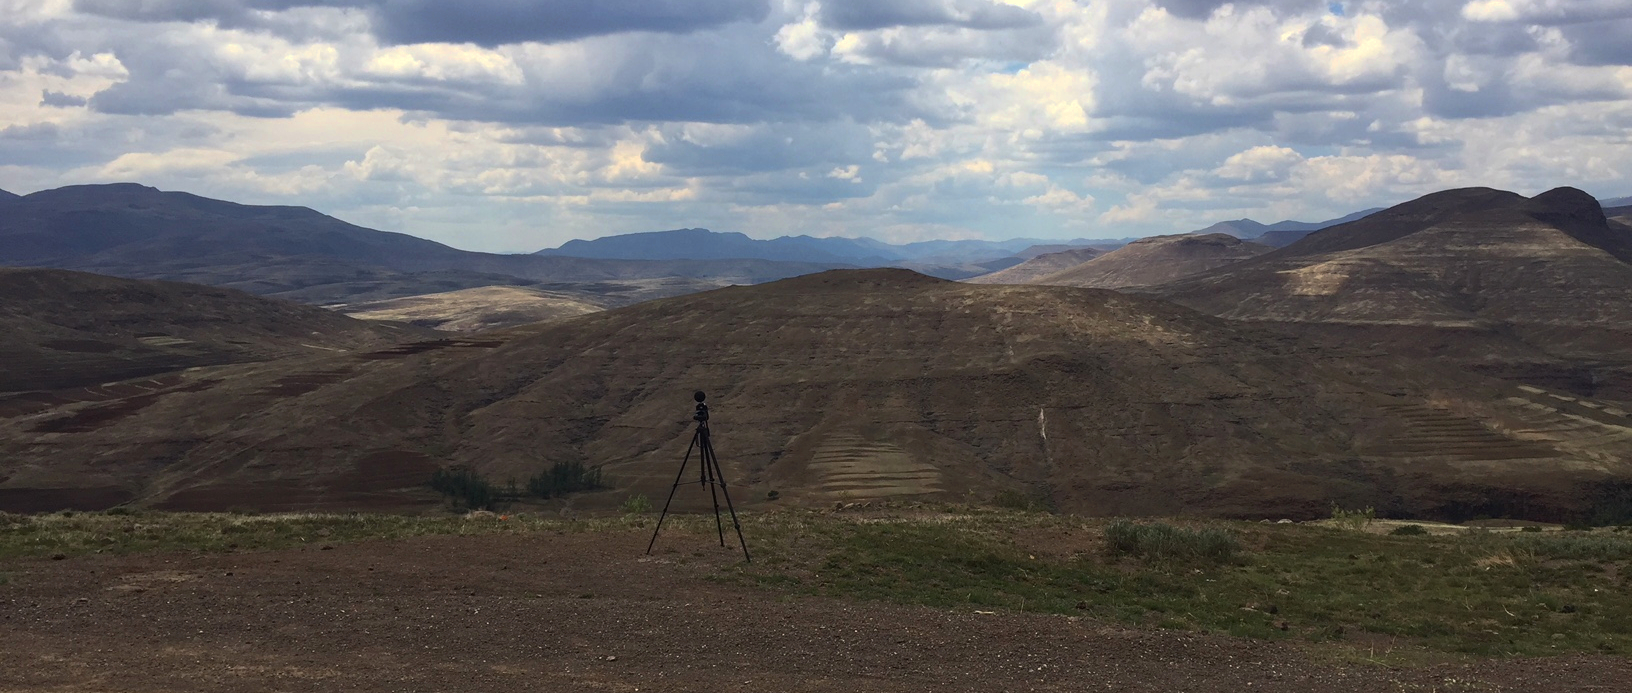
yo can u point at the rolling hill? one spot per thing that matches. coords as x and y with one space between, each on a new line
1038 267
134 231
1620 214
62 330
1156 260
476 310
1461 258
843 386
1531 289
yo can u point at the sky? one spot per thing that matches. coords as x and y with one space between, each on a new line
510 126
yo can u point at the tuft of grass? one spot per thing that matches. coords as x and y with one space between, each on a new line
1572 546
1409 531
1163 542
636 505
138 531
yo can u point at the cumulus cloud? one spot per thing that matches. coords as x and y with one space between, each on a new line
512 125
861 15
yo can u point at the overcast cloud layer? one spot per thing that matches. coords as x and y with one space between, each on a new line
511 126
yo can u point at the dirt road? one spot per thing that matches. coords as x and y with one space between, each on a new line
587 612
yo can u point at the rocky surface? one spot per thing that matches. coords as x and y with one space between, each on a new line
589 612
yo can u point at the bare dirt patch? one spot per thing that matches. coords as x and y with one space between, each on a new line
587 611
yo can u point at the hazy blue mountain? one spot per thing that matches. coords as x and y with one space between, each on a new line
1617 202
703 244
4 196
1281 233
129 230
1240 228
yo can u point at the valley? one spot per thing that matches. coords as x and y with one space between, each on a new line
1453 357
903 449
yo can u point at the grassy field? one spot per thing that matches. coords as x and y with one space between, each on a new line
1475 592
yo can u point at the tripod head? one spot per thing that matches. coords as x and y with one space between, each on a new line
702 409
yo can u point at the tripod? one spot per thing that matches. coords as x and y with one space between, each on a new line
710 476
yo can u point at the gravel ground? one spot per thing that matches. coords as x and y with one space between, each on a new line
589 612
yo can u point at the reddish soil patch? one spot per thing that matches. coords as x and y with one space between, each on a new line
589 612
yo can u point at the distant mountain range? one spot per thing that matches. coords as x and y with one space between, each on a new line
1279 234
945 259
5 196
134 231
1617 202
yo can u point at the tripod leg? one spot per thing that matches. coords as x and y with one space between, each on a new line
710 464
672 489
724 489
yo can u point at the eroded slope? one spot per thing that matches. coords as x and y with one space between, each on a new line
851 385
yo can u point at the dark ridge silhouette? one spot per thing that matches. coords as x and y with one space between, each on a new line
136 231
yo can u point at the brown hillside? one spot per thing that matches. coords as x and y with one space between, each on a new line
834 387
1549 269
61 329
475 310
1038 267
1156 260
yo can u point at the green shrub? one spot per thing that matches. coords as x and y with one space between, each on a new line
1409 531
463 486
635 505
1162 542
1531 528
563 478
1353 519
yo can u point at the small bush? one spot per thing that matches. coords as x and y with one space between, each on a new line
1157 541
1353 519
635 505
463 486
1409 531
1531 528
563 478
